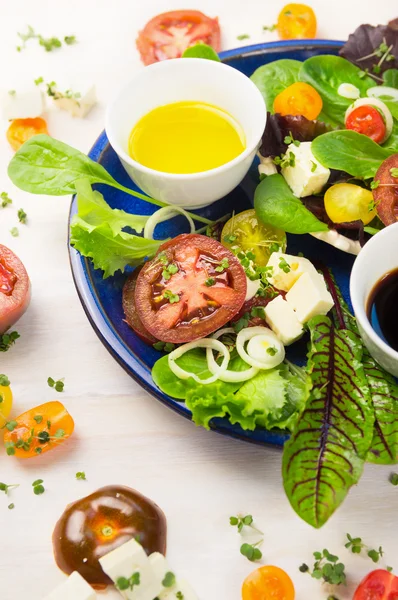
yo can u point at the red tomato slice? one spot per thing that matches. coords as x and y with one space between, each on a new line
169 34
191 288
368 121
378 585
386 194
130 310
14 289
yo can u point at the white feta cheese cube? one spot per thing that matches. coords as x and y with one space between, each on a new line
252 288
182 588
77 103
283 277
283 321
309 297
266 166
24 104
74 588
307 176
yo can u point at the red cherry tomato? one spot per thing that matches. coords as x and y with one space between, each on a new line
14 289
368 121
386 194
191 288
130 310
378 585
169 34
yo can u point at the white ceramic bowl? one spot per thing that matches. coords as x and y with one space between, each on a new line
378 257
174 81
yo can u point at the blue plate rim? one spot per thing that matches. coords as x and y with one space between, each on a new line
92 306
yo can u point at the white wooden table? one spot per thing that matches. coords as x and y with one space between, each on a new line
123 436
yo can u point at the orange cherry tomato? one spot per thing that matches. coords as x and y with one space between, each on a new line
22 130
296 21
38 430
299 99
368 121
268 583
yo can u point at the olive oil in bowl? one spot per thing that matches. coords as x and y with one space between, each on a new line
382 308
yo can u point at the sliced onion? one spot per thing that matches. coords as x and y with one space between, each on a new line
164 214
347 90
203 343
256 354
226 375
383 92
383 109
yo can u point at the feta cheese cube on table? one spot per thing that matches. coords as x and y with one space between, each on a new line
78 103
74 588
309 297
283 321
298 265
182 588
24 104
307 176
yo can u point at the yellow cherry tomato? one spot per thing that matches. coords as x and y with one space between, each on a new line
22 130
345 202
5 403
299 99
268 583
296 21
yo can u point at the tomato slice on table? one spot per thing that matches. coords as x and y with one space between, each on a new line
191 288
386 194
296 21
268 583
299 99
38 430
130 309
378 585
22 130
14 289
368 121
169 34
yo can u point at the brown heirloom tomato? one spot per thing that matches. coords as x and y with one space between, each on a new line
101 522
130 309
14 289
386 194
191 288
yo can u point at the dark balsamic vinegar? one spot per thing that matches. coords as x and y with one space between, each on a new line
382 308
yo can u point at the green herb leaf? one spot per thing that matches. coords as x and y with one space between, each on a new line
38 419
81 475
273 78
5 199
326 568
14 231
70 40
4 380
354 544
393 479
38 489
169 580
11 506
251 552
276 205
201 51
172 298
210 281
59 434
22 216
269 27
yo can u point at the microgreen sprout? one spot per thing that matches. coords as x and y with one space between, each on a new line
243 36
5 199
394 171
14 231
289 139
222 266
22 216
374 184
240 522
172 298
356 545
393 479
326 567
122 583
251 551
283 265
210 282
169 580
57 385
38 488
81 475
164 346
4 487
7 340
269 27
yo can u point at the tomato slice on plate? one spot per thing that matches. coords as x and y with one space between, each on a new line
268 583
14 289
378 585
130 309
368 121
169 34
191 288
386 194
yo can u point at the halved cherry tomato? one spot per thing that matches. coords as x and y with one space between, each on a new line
14 289
268 583
100 523
130 309
346 202
22 130
191 288
386 194
296 21
5 403
299 99
368 121
169 34
38 430
378 585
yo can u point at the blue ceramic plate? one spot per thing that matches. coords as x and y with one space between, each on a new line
102 298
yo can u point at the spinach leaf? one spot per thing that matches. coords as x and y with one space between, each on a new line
326 73
276 205
349 151
275 77
327 450
201 51
390 78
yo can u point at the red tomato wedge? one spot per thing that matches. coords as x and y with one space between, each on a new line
368 121
386 194
378 585
14 289
130 309
169 34
191 288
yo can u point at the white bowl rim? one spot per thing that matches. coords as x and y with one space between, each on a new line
181 176
358 305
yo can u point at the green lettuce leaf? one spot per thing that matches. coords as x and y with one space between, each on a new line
327 450
273 78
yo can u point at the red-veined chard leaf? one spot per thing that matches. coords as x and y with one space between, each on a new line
382 386
326 453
